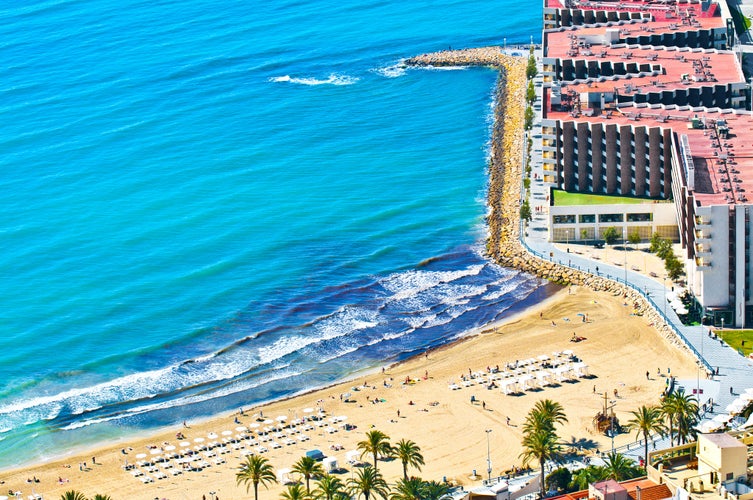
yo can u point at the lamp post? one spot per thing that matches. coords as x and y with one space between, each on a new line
567 240
488 456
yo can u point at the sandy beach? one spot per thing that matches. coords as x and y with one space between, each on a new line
619 349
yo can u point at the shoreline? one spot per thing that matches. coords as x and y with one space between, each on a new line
88 449
449 444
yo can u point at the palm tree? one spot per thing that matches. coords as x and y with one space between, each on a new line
409 454
329 487
669 411
413 488
618 467
434 490
294 492
551 411
73 495
255 470
681 411
377 444
646 419
687 416
541 445
308 468
102 497
583 477
367 481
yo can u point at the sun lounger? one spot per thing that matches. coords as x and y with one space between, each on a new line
275 445
454 387
160 475
261 449
219 461
303 437
175 472
146 479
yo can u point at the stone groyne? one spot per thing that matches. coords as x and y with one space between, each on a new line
505 181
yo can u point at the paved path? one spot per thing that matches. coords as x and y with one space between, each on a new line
734 372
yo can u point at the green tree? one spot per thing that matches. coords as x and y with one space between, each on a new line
294 492
618 467
634 238
655 243
584 234
73 495
674 267
329 487
531 92
368 481
308 468
540 441
434 490
531 70
99 496
413 488
542 446
254 471
528 118
686 416
376 444
583 477
646 420
409 454
525 211
610 235
558 479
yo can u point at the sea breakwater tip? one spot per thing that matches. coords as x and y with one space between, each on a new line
482 56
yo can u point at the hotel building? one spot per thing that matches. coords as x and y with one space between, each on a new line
647 98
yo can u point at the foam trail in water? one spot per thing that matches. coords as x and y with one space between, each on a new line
333 79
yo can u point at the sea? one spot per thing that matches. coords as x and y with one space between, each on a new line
207 205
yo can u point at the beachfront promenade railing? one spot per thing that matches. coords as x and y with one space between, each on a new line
643 291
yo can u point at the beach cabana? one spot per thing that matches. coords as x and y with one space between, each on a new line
544 378
330 465
525 382
580 369
508 386
353 457
283 476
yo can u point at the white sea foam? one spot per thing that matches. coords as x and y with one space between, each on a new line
333 79
394 71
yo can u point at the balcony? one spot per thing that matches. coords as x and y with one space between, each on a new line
702 264
701 223
702 237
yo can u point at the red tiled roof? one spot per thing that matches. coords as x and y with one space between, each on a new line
654 492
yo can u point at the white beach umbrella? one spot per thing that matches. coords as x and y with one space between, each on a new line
227 433
281 418
268 421
183 444
198 440
212 435
543 357
169 447
567 352
240 428
255 425
140 456
155 451
308 410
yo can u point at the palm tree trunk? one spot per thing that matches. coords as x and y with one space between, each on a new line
375 461
308 477
541 493
405 471
256 491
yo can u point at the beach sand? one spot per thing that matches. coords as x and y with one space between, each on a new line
619 349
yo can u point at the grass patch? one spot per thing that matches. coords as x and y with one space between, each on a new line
740 340
565 199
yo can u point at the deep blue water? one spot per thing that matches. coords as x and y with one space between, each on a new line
207 204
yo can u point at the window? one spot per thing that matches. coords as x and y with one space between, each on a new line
640 217
563 219
611 218
587 218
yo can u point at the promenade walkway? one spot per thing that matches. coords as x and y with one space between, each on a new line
732 372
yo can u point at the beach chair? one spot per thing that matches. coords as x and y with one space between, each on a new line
261 449
219 461
275 445
303 437
160 475
146 479
175 472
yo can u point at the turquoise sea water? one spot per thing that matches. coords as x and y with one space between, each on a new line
209 204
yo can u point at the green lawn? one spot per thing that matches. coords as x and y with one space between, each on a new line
740 340
565 199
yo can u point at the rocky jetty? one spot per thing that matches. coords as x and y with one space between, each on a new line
505 181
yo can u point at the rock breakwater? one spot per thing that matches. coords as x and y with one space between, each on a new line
505 181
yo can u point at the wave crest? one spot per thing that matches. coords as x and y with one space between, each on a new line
333 79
